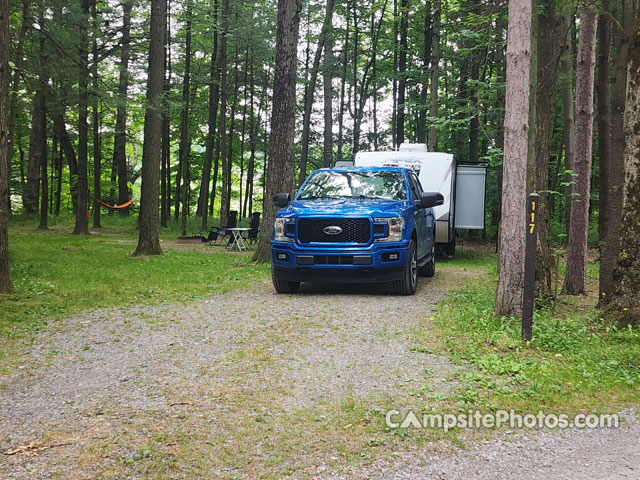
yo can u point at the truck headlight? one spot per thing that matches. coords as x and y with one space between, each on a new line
280 227
395 227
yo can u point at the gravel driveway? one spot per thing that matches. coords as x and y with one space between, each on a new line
247 384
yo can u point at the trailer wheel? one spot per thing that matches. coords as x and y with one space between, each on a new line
429 268
450 248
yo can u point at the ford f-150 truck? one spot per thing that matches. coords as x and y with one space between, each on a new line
355 225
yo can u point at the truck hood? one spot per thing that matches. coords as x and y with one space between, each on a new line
351 207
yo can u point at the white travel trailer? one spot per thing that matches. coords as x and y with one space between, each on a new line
462 185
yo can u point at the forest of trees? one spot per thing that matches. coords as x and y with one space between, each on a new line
200 107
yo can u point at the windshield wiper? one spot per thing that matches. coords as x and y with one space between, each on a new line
373 197
320 197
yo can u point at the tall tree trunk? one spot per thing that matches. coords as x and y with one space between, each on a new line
42 143
310 91
435 72
225 198
308 105
244 125
512 236
252 142
474 126
224 211
533 87
69 153
120 141
423 108
579 223
394 82
343 85
165 161
97 156
44 187
624 303
82 208
280 177
5 277
624 14
15 83
402 70
185 140
327 80
58 198
551 37
214 92
148 239
568 113
34 165
500 77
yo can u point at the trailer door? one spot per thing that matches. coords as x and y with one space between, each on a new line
470 189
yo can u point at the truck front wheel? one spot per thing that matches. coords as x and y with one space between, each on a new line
409 282
281 285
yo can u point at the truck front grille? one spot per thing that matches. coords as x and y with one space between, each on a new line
354 230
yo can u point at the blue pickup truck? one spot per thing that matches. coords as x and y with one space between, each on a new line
355 225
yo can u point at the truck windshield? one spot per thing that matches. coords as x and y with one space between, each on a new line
336 184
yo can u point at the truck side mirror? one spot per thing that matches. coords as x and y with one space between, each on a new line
281 200
431 199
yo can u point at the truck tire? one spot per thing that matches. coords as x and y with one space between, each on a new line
409 282
429 268
283 286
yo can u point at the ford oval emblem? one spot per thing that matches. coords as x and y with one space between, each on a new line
332 230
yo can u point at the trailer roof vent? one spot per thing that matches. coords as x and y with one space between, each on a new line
413 147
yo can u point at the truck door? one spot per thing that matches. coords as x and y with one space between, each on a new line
421 218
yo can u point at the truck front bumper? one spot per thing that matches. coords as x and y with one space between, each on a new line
374 264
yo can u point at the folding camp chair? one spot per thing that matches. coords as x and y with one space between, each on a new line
223 232
252 235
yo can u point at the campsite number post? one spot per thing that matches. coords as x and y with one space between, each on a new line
530 266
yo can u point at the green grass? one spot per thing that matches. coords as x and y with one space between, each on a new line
575 361
57 274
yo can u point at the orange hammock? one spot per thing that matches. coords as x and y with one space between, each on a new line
115 207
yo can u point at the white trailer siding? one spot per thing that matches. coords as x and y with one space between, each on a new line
436 172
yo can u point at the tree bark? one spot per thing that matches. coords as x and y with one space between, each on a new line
551 35
5 277
225 197
15 83
343 85
148 239
623 13
120 141
97 156
308 105
165 161
568 113
82 208
42 142
402 70
435 73
327 80
36 150
185 140
281 159
214 92
508 300
224 210
624 302
579 222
